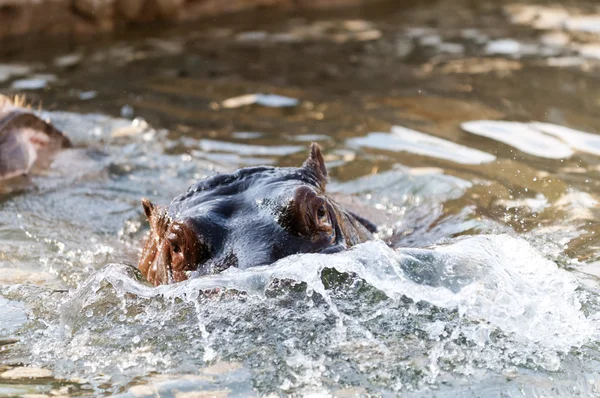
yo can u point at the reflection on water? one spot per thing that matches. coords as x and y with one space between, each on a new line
467 132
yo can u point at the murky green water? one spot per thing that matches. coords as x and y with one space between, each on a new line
492 289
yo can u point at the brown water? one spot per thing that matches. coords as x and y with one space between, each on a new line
405 102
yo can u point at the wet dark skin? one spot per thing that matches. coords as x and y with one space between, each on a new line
254 216
26 141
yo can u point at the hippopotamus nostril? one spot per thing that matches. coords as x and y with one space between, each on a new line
217 265
253 216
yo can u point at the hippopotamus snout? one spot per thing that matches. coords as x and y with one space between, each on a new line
254 216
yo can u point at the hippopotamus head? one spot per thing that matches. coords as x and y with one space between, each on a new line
251 217
25 140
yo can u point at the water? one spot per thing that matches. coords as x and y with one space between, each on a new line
468 133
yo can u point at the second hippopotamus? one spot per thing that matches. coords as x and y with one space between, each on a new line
253 216
26 141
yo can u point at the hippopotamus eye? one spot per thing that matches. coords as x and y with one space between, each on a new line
322 212
323 215
324 219
174 242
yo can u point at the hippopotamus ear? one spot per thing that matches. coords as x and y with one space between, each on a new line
371 227
156 215
316 164
148 208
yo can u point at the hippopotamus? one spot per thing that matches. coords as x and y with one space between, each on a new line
253 216
26 141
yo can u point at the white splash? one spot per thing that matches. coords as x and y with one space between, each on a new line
496 279
13 315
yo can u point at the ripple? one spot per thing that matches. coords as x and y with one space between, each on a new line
249 150
246 135
584 23
402 184
268 100
522 136
35 82
9 70
402 139
580 140
504 47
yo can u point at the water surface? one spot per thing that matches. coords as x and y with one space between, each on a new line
469 133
